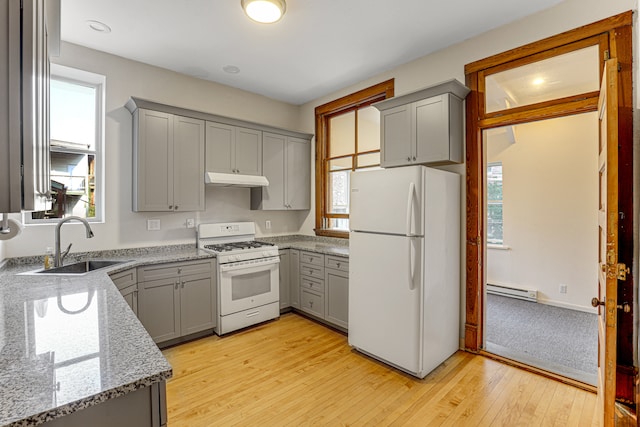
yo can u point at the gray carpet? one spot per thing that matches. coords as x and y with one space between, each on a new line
552 338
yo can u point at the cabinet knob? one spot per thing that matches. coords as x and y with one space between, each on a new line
182 285
170 206
177 285
414 158
175 207
179 270
338 264
311 304
409 159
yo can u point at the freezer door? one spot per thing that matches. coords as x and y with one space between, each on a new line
385 315
387 201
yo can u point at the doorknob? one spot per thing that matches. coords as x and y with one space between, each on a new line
595 302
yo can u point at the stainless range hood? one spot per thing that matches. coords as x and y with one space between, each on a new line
234 180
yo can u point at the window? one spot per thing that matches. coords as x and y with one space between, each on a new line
494 204
347 139
76 129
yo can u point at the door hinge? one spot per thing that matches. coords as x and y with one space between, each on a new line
607 55
623 270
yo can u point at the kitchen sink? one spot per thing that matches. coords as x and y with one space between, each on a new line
77 268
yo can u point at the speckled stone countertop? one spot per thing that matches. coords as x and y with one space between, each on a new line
322 245
67 343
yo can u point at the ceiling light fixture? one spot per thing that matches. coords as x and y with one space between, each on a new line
98 26
538 81
264 11
231 69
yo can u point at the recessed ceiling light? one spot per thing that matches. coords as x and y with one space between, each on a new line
98 26
538 81
231 69
264 11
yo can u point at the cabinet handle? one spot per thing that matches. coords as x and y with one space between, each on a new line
179 270
177 285
175 207
311 304
170 206
409 159
182 285
338 264
414 158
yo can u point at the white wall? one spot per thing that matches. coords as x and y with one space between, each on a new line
122 227
550 209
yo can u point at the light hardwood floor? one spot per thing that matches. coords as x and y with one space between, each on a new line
295 372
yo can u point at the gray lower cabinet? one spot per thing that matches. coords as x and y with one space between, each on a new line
168 158
324 287
336 280
294 278
423 127
145 407
177 299
127 283
233 149
285 282
286 162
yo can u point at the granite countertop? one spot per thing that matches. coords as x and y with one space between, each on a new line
70 342
322 245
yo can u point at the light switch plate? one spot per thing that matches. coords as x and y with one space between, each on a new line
153 224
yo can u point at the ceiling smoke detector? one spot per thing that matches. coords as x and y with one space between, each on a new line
264 11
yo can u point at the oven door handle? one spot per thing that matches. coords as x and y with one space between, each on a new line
243 265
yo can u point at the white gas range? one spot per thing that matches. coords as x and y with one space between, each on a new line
248 274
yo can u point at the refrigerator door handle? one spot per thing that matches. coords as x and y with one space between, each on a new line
411 278
412 190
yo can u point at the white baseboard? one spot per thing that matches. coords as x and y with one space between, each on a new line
569 306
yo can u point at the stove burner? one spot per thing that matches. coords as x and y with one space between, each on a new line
226 247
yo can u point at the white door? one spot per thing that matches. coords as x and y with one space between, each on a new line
385 298
387 201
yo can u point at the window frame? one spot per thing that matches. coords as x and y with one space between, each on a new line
97 81
324 113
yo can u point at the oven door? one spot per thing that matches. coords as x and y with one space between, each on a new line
248 284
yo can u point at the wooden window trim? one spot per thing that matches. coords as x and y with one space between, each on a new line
323 113
617 30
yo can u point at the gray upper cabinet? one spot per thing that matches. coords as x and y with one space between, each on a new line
168 152
233 149
423 127
286 162
31 33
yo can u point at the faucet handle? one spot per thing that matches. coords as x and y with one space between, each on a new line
65 252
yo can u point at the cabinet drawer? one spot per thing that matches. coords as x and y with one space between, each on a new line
160 271
124 279
313 284
337 263
312 270
312 258
312 302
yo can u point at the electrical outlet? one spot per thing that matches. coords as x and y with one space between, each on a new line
190 223
153 224
267 224
563 288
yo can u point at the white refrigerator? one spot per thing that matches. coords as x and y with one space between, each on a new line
404 266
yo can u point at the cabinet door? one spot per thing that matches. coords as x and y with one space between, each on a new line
432 129
336 297
159 308
294 277
220 154
285 299
197 303
273 167
153 158
248 151
188 172
298 174
396 136
130 295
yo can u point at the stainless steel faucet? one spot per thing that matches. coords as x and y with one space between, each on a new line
59 257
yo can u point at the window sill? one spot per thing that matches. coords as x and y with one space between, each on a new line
498 247
332 233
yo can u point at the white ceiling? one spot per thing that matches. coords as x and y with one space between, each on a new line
319 46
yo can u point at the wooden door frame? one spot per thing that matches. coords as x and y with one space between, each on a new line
618 31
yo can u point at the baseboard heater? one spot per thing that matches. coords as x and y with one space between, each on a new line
506 291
